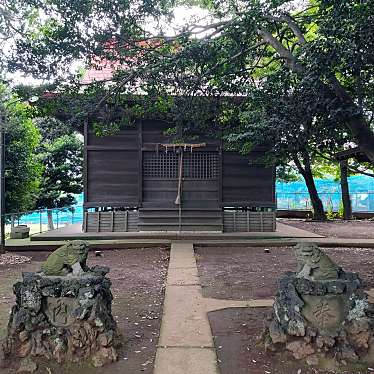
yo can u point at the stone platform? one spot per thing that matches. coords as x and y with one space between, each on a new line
62 318
72 232
322 315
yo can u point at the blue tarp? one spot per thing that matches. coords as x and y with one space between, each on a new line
295 195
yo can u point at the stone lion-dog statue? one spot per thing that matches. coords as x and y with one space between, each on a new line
313 264
69 259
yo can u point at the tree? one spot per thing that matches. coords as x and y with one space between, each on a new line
22 170
283 114
61 153
330 43
346 200
51 129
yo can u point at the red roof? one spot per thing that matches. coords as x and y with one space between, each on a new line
97 75
103 69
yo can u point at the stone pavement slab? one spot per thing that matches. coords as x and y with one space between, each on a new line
215 304
294 232
186 361
183 276
185 322
186 343
74 231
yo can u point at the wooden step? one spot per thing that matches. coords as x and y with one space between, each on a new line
173 223
177 209
216 228
190 219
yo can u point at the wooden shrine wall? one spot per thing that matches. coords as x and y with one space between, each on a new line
246 184
114 173
112 169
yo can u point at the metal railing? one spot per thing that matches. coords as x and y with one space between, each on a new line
361 201
45 219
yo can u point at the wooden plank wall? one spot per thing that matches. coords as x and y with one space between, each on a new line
113 169
246 221
161 193
114 174
246 185
115 221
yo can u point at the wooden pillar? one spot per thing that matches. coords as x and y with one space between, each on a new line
98 221
112 221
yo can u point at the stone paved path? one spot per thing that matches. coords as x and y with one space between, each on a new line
186 342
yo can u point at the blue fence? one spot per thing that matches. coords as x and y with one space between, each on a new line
295 196
38 220
361 201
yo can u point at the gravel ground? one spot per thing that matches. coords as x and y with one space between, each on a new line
138 284
356 229
242 273
13 259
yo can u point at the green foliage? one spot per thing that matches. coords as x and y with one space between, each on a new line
51 128
341 210
164 104
22 169
287 174
305 73
330 214
62 174
105 129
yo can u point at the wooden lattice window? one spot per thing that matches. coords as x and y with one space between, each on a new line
161 165
196 165
200 165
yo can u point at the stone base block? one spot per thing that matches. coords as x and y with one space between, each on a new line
19 232
66 319
326 323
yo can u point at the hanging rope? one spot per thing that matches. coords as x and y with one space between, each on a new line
177 146
180 176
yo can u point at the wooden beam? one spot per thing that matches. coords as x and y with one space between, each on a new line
85 160
112 221
85 223
126 220
140 174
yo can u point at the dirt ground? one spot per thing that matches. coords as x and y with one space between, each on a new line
138 283
236 334
358 229
242 273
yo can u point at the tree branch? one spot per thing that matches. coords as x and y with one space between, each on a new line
294 27
282 51
350 167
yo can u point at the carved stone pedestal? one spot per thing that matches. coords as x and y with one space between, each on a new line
328 322
62 318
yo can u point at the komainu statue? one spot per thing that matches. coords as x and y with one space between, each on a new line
322 315
69 259
313 264
62 313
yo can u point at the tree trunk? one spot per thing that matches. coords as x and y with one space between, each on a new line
347 206
50 220
358 125
306 171
363 135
